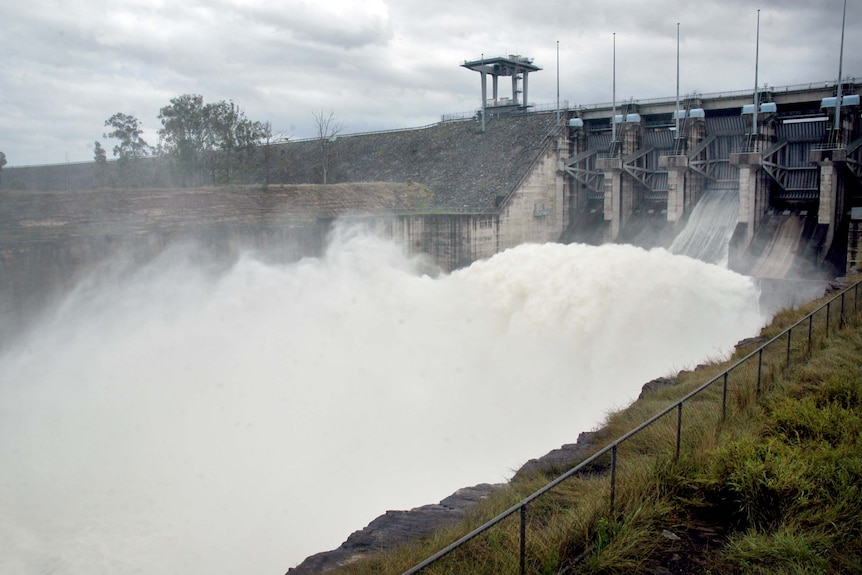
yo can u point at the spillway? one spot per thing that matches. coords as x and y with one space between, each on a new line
710 226
783 239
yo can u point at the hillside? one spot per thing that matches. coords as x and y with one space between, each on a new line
771 487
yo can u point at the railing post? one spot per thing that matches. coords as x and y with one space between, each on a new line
678 428
724 398
759 368
523 539
613 476
828 309
810 327
843 321
789 331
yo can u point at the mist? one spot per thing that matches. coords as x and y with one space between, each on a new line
187 419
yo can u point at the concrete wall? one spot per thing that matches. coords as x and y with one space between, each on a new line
534 212
452 241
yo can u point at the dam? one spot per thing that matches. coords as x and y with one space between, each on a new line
220 396
471 186
628 172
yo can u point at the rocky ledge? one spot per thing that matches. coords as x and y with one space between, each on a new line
397 527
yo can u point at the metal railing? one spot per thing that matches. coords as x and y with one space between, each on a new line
720 95
771 357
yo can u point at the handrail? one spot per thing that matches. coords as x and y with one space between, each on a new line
716 95
613 446
551 138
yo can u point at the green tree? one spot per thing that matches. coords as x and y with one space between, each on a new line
127 129
99 154
217 136
131 147
101 159
184 134
231 137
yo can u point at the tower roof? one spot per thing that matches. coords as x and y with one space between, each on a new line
502 65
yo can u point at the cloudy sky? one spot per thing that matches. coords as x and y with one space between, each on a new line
65 67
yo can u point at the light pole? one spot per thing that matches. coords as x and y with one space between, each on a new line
836 129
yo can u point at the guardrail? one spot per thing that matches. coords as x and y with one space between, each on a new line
716 95
773 356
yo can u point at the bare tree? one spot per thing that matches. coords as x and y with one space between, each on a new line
328 128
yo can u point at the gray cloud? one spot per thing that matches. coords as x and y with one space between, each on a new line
66 67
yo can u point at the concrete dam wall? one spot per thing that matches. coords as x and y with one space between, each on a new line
460 194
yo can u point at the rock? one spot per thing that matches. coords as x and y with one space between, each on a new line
751 341
397 527
669 535
655 385
559 460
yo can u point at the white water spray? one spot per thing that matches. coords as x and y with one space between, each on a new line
177 422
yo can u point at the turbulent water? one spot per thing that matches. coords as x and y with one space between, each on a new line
185 421
710 226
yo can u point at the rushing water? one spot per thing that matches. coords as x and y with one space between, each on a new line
710 226
181 421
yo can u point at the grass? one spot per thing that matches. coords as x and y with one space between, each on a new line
772 484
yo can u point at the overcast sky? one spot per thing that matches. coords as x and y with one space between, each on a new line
65 67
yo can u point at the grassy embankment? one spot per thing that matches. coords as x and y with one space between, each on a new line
774 488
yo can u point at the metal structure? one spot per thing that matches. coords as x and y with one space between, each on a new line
515 66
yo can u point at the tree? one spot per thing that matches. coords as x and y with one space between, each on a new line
212 134
132 147
101 159
99 154
128 131
184 132
328 128
2 163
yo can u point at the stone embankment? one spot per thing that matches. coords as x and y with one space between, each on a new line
466 169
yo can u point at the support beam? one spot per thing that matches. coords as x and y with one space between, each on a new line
677 168
831 205
485 89
750 209
515 89
613 200
753 199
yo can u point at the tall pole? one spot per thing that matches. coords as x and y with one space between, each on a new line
614 98
837 127
756 98
558 82
484 89
677 81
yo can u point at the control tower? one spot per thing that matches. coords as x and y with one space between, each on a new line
518 67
